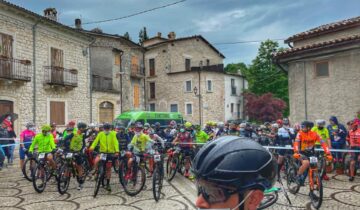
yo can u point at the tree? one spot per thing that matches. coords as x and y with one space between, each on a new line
264 76
263 108
236 67
127 36
143 35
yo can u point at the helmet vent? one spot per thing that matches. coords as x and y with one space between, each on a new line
205 153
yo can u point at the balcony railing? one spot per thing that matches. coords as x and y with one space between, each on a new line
213 68
233 90
105 84
235 115
15 69
136 71
60 76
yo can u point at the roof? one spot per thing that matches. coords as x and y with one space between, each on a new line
319 46
44 19
327 28
187 38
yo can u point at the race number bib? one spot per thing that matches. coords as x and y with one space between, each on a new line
122 153
313 160
137 159
157 158
103 157
69 155
41 155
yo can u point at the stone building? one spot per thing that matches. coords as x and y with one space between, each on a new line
323 66
44 68
187 75
117 70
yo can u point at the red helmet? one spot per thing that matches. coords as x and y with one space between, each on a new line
355 122
279 121
72 123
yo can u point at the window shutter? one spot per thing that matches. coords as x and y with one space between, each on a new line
57 112
57 57
7 45
136 96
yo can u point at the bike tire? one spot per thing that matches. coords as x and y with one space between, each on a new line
316 200
291 178
42 184
27 165
170 171
141 184
271 200
99 179
157 183
64 179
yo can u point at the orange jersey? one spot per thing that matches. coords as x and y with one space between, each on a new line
307 140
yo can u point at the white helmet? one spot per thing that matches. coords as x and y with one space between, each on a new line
320 122
275 125
92 125
220 125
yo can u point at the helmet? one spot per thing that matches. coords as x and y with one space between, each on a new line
118 126
138 125
45 128
72 123
279 122
213 123
101 125
29 125
320 122
81 125
157 124
286 121
225 161
197 127
92 125
187 124
307 124
107 126
147 125
275 125
172 123
220 125
208 123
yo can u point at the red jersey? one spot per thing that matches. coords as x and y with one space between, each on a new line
184 139
354 138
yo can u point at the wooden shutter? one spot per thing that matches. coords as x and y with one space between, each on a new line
136 96
6 45
152 90
57 57
152 67
134 64
57 112
6 107
117 59
106 114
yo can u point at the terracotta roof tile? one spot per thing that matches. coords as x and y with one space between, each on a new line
325 29
318 46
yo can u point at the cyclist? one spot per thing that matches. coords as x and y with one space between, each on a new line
233 130
208 130
324 136
147 129
109 145
122 137
304 146
158 130
26 136
185 141
338 133
54 132
46 144
354 142
285 137
190 129
71 124
226 180
221 130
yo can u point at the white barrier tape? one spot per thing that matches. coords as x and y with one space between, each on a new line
8 139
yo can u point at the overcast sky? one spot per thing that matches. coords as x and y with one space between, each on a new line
218 21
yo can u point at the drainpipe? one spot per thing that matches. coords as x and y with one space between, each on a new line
91 81
305 91
121 89
34 69
144 83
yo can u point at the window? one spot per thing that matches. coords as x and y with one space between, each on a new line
152 107
187 64
188 86
209 86
232 108
208 62
152 66
57 57
189 109
57 112
233 87
135 65
136 96
6 45
117 59
152 90
322 69
173 108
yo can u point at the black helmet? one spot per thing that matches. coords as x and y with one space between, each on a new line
81 125
307 124
157 124
107 126
237 162
139 125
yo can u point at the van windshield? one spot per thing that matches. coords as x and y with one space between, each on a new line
122 122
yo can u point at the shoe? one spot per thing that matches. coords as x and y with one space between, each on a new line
351 179
108 188
80 186
187 174
326 178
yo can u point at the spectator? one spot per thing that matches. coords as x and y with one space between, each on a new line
338 135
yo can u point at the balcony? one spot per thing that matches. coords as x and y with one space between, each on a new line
136 71
211 68
105 84
15 69
59 76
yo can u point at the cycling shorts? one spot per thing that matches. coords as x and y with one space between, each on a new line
355 155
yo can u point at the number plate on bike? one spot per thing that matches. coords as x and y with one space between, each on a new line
41 155
157 158
103 157
313 160
69 155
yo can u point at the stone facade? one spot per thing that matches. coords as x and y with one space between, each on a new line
47 35
337 93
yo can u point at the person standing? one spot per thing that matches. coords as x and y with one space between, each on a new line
26 136
337 133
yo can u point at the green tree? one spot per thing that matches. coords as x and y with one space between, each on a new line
264 76
235 67
143 35
127 36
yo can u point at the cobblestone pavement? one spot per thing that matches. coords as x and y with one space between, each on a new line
18 193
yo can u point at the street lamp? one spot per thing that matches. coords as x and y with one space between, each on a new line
195 90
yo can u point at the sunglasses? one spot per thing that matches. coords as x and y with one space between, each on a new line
214 193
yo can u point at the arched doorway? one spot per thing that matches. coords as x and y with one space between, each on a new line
6 107
106 112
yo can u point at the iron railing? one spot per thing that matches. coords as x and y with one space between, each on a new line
106 84
60 76
137 71
15 69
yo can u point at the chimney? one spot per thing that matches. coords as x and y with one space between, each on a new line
172 35
159 34
51 13
78 24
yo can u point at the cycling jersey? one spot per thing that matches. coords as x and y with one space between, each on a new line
307 140
77 142
140 142
108 143
27 135
45 144
66 133
123 140
201 137
184 139
354 138
323 133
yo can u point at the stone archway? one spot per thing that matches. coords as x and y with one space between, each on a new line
106 112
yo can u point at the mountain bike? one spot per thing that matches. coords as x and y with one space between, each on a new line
41 173
105 163
29 165
158 174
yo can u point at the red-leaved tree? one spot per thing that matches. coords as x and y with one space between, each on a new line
263 108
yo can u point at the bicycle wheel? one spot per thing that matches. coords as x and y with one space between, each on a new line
64 179
157 183
28 168
98 179
135 182
291 179
268 200
171 168
39 178
316 191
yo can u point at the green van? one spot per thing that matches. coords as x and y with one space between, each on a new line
164 118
